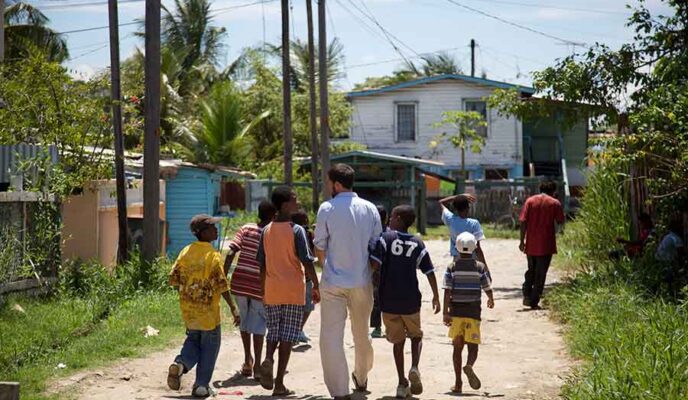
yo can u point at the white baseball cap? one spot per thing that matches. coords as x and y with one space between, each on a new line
466 243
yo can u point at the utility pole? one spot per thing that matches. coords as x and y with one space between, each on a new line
286 95
324 105
116 94
2 30
312 108
472 57
151 141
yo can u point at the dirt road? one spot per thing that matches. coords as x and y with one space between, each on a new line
522 355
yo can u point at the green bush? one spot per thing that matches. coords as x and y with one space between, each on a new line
636 347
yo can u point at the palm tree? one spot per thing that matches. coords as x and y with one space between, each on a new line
189 33
300 58
26 32
220 136
433 64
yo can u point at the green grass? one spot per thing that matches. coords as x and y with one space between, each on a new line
61 331
633 346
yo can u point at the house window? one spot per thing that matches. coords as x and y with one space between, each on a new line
496 174
406 122
480 107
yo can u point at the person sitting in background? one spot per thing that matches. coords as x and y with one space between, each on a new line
301 218
634 248
376 314
671 247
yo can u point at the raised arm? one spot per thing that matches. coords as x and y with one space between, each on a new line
446 202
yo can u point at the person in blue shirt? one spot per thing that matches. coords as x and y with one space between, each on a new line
455 211
397 255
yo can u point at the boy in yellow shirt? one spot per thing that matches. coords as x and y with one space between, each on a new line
200 279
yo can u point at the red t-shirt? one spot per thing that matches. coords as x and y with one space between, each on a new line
246 276
539 213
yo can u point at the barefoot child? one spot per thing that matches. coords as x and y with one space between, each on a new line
301 218
282 251
462 295
398 254
199 277
246 287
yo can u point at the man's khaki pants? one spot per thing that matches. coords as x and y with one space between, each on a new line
335 304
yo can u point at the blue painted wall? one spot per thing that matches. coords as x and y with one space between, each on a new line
193 191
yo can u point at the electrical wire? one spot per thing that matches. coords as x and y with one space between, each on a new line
514 24
532 5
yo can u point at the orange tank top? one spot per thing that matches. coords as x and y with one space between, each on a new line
284 277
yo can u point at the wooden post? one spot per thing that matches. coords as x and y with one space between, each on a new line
312 107
423 211
286 95
151 142
116 94
472 57
9 390
2 30
324 105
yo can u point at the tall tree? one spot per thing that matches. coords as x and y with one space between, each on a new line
312 106
188 32
27 32
286 96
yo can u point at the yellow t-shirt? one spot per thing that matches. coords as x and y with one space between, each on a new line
201 281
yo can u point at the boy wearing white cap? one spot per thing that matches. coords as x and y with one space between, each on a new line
463 282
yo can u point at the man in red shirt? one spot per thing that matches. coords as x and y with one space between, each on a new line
538 241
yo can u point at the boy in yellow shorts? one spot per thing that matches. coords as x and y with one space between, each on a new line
463 283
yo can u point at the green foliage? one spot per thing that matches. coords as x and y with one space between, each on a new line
27 34
221 137
92 316
635 347
464 127
70 114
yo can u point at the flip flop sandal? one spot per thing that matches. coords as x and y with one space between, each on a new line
472 377
455 389
283 393
247 369
266 378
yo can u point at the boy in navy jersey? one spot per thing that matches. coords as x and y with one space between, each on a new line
398 254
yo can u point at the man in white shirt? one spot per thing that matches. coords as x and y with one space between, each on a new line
345 227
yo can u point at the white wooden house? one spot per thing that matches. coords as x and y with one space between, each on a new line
399 120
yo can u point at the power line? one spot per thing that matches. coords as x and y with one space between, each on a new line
215 12
517 25
532 5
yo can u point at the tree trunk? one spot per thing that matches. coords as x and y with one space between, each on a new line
123 243
286 95
151 140
312 107
324 105
463 163
2 30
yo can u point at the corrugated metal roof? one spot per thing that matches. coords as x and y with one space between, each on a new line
429 79
12 155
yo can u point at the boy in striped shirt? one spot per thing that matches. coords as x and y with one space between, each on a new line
463 282
246 288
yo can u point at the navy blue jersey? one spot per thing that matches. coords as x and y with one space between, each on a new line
400 255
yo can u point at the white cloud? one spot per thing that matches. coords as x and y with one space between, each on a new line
82 71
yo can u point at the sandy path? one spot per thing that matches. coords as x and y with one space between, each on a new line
522 355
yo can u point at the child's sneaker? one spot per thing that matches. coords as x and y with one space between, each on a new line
472 377
174 376
403 392
203 391
303 338
416 384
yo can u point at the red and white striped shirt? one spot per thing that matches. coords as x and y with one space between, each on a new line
246 277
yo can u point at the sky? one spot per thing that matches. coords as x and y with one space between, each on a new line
504 52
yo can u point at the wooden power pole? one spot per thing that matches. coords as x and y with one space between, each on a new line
286 95
324 106
2 30
116 94
472 57
312 107
151 141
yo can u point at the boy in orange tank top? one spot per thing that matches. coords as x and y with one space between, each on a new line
283 255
